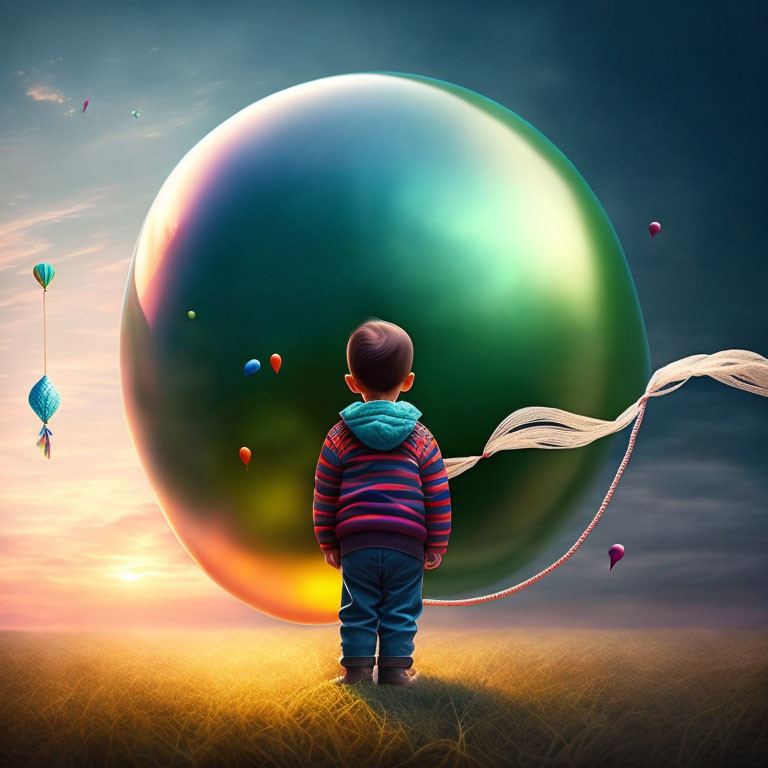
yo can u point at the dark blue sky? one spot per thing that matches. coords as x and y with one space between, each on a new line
661 106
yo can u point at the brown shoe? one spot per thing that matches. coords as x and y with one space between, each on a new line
397 676
354 675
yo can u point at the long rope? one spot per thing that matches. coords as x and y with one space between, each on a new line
541 574
45 339
522 429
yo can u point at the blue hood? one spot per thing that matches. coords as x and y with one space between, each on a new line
381 424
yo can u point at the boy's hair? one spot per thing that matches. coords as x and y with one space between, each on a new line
380 355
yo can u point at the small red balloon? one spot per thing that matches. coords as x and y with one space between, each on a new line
654 228
276 361
245 456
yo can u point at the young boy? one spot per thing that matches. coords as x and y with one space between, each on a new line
382 509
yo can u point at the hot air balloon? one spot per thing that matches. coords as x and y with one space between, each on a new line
44 274
44 398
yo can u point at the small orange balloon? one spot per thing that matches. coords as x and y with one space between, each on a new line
245 456
276 362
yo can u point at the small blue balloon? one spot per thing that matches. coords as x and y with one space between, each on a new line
251 367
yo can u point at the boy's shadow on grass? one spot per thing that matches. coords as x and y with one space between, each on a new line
440 709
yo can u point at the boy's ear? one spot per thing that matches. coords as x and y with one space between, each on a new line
408 383
352 384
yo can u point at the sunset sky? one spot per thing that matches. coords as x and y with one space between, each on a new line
660 110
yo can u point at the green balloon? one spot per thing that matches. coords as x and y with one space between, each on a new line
191 314
386 195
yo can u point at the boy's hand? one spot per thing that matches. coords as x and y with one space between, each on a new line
332 558
432 560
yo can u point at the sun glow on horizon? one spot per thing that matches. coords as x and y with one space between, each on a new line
131 576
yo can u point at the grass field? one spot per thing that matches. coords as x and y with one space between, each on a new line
529 698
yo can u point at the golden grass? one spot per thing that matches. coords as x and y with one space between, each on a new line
554 698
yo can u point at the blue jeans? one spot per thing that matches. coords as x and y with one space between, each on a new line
380 595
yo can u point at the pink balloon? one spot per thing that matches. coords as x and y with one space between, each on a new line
654 228
85 104
615 553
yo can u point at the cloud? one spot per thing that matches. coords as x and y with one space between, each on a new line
96 248
120 267
45 93
86 569
19 238
215 85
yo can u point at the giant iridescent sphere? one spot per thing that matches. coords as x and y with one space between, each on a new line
386 195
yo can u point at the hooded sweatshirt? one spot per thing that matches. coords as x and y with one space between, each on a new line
381 482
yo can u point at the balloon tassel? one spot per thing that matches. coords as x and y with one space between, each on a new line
44 443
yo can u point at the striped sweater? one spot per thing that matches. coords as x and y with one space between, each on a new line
397 498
